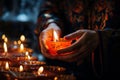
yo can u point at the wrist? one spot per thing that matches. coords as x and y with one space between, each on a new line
54 26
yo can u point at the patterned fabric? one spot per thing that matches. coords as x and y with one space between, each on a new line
76 14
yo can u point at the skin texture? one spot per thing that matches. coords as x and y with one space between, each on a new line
86 42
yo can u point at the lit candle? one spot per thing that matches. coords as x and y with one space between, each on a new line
6 39
40 70
3 36
6 66
5 47
22 38
57 43
27 56
21 68
56 38
15 42
26 53
21 47
19 42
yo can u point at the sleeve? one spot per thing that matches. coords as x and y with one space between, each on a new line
108 51
48 14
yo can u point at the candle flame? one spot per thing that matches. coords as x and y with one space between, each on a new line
22 38
19 42
21 47
3 36
56 38
21 68
40 70
6 39
5 47
28 57
15 42
7 66
26 53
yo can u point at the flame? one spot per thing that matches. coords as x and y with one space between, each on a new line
21 68
15 42
21 47
7 66
22 38
6 39
40 70
5 47
26 53
28 57
56 38
3 36
19 42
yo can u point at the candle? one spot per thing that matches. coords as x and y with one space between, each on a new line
21 47
42 74
26 53
21 68
5 48
22 38
6 66
40 70
56 44
19 42
3 36
27 56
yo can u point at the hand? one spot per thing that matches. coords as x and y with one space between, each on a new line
86 42
47 34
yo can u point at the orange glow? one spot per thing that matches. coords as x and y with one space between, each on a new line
21 68
40 70
22 38
5 47
57 44
7 66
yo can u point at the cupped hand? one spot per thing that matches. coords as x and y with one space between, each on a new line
86 42
47 34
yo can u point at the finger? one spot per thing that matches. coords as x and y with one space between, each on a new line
45 51
74 46
76 55
74 35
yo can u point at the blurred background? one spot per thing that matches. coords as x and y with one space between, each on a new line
18 17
